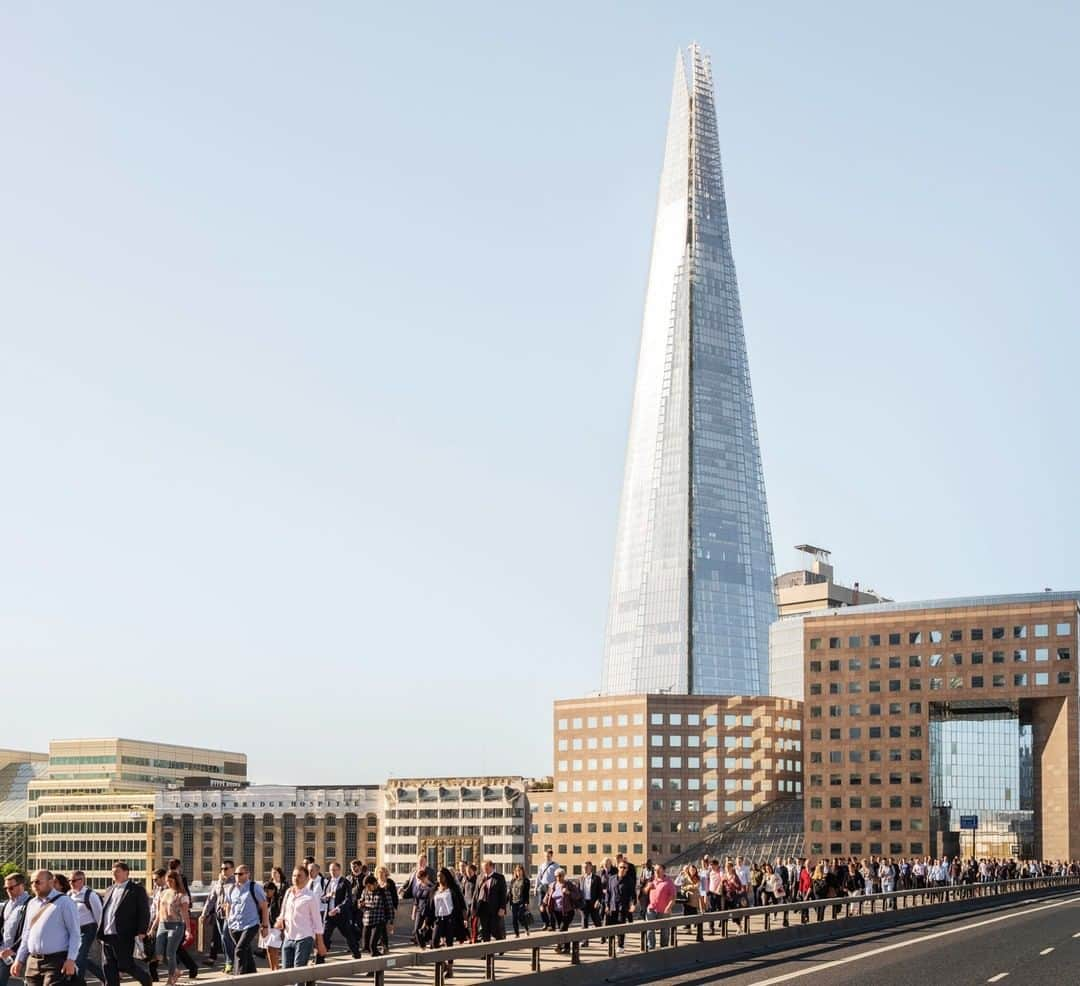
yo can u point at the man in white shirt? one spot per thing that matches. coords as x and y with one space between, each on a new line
88 904
51 937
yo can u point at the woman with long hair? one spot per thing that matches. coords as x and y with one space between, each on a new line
172 921
519 900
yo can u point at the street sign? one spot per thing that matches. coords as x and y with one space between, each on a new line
969 823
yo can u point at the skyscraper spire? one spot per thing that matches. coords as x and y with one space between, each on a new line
692 583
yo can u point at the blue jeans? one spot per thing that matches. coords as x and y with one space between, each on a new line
88 933
169 936
650 938
296 952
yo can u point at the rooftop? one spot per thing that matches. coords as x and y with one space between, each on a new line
960 602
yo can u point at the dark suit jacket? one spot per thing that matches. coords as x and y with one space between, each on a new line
132 912
496 895
342 896
596 889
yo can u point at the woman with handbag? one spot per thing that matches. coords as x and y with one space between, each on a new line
274 937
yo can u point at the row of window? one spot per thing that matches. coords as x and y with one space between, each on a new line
855 780
873 732
873 848
874 756
1019 656
872 825
915 637
730 721
873 801
936 683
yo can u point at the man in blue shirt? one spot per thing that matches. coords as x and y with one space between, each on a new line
51 937
246 915
14 919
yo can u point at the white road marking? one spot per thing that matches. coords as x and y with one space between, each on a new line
1046 951
994 979
913 941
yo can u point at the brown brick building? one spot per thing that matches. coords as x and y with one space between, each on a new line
919 713
648 774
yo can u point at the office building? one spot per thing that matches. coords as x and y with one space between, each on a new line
810 588
17 769
692 581
96 801
267 825
455 818
919 714
647 775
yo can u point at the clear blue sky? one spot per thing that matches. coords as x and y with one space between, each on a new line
318 328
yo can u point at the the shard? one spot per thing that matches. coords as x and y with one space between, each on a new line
692 585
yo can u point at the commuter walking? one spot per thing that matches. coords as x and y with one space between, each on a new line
619 897
300 923
214 914
449 914
660 894
375 915
274 937
545 877
339 914
520 897
592 898
171 920
388 889
88 905
470 886
51 939
423 891
13 922
125 917
491 903
246 916
560 904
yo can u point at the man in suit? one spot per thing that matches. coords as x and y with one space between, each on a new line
592 897
491 903
125 916
339 910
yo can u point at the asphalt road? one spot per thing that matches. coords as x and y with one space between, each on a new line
1032 944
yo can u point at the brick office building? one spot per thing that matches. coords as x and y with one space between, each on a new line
918 713
648 774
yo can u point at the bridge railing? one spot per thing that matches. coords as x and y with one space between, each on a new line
672 930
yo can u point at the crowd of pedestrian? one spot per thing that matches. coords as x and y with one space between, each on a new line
49 924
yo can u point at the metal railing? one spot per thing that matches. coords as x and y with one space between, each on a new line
661 933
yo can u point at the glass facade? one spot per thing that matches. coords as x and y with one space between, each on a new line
692 583
981 764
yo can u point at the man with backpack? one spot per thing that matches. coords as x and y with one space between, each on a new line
89 905
12 920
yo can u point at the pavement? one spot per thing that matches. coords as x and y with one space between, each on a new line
1032 943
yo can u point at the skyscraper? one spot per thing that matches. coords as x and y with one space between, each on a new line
692 584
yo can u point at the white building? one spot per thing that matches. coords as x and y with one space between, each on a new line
452 818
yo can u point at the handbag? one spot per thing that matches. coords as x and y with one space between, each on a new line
273 938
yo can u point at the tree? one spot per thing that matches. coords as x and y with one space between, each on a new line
8 868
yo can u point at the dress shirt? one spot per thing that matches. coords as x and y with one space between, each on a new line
57 930
108 917
586 886
300 915
716 881
11 920
244 899
317 887
331 890
546 876
88 903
